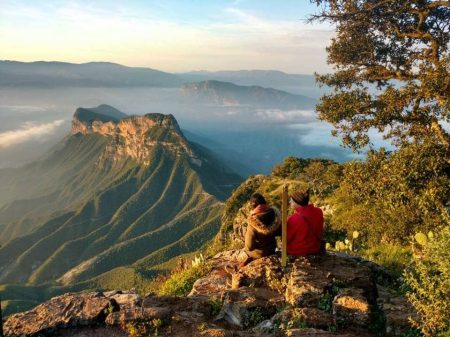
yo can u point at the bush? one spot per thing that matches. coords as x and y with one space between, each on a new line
429 281
393 258
181 282
391 196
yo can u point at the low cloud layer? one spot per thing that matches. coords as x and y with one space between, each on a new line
28 131
286 116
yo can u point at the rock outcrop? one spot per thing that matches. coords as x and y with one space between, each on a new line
134 136
331 295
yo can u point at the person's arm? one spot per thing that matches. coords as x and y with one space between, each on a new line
290 229
250 238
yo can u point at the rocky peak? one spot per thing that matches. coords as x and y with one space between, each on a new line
132 136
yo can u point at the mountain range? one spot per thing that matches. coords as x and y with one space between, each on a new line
105 74
232 95
118 192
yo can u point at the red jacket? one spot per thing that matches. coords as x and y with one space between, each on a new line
300 239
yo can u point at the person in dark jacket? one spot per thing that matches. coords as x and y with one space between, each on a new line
264 223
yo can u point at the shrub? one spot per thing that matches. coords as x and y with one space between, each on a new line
181 282
429 281
393 258
390 196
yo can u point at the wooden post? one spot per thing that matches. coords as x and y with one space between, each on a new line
284 212
1 320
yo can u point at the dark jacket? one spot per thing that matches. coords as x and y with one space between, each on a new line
262 228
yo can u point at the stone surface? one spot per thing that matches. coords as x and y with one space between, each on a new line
124 300
327 293
310 332
59 312
311 317
397 311
238 305
219 279
259 273
313 276
137 314
350 307
216 333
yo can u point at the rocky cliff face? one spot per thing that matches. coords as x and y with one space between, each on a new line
332 295
134 136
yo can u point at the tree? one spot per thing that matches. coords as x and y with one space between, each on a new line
392 70
391 196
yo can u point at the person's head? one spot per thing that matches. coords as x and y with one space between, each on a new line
257 199
300 198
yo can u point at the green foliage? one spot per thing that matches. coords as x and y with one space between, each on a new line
377 321
391 196
143 328
180 283
326 300
216 307
321 175
394 258
402 47
429 281
255 316
412 333
290 168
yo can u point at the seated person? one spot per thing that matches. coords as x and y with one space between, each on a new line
264 224
305 227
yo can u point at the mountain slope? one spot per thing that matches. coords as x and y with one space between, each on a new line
114 193
227 93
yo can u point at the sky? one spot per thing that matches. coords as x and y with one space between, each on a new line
169 35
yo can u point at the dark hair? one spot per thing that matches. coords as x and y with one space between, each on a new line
257 199
301 197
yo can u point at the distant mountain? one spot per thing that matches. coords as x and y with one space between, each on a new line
105 74
229 94
119 191
92 74
293 83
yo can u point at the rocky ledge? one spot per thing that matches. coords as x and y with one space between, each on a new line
331 295
134 136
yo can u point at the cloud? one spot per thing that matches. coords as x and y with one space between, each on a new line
22 108
286 116
230 39
28 131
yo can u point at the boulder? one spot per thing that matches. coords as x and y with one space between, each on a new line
248 307
313 276
222 266
60 312
264 272
351 308
398 312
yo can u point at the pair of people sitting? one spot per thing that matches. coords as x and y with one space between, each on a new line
304 227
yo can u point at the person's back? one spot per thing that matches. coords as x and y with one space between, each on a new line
305 227
263 225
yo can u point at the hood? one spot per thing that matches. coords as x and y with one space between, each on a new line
262 228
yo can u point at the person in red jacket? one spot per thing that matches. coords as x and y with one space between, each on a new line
305 227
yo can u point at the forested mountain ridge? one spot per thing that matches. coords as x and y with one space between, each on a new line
115 192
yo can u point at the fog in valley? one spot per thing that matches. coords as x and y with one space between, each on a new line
33 120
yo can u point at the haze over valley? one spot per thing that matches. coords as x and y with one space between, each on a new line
36 109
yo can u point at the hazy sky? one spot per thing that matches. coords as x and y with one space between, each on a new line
168 35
